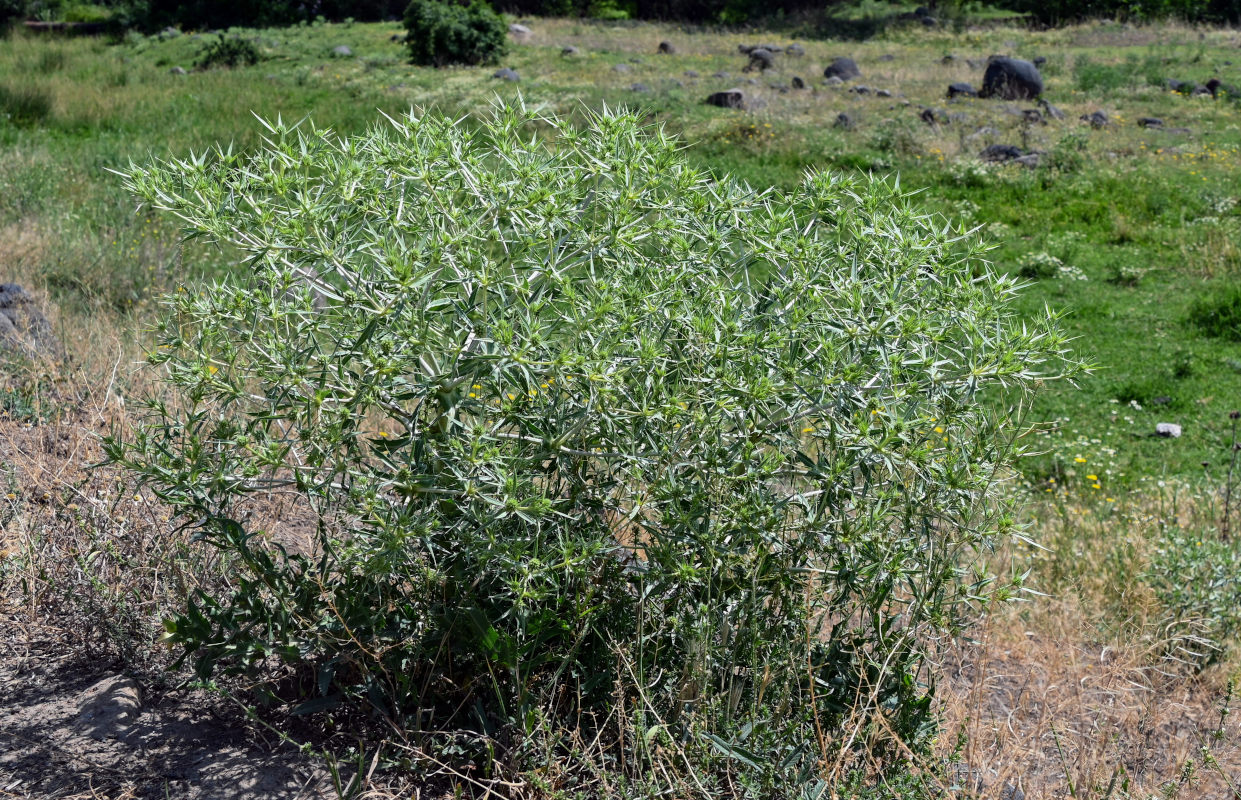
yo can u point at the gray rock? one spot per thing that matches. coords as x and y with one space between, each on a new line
1000 153
843 68
1011 79
689 73
761 59
178 71
1039 61
1050 110
928 22
169 33
1010 792
640 87
798 83
887 57
948 59
932 116
795 50
1096 119
746 49
985 132
520 33
721 75
570 50
1150 122
23 326
666 48
961 90
342 51
860 89
844 120
622 68
835 80
506 74
636 60
729 98
1029 160
1178 131
1032 116
882 93
1168 430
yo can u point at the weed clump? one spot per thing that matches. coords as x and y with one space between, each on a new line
229 51
580 473
440 33
1218 313
24 105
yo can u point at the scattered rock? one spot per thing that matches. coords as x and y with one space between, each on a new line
961 90
689 73
834 81
1032 116
506 74
666 48
948 59
795 50
746 49
570 50
1168 430
985 132
761 59
860 89
1150 122
721 75
622 68
751 81
640 87
1000 153
1039 61
932 116
1011 79
520 33
729 98
23 327
178 71
636 60
929 22
1097 119
1010 792
798 83
1029 160
1050 110
844 120
843 68
882 93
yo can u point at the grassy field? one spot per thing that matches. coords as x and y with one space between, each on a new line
1146 223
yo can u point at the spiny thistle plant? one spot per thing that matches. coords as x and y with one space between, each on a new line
592 438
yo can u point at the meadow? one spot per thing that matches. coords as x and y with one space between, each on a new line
1122 649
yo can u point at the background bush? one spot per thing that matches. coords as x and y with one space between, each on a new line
439 33
594 440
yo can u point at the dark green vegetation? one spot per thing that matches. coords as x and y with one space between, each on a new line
439 34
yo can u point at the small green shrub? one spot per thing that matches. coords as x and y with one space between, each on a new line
442 33
229 51
593 439
1218 313
24 104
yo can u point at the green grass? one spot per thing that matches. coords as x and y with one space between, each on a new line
1147 220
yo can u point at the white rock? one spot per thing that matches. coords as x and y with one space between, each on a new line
1168 430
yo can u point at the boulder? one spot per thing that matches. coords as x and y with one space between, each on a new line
795 50
1011 79
961 90
843 68
666 48
520 33
1168 430
1000 153
506 74
761 59
23 327
729 98
1096 119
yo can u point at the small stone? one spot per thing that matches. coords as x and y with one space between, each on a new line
729 98
178 71
1150 122
835 80
667 48
1096 119
961 90
23 327
622 68
1168 430
887 57
520 33
721 74
1000 153
342 51
860 89
843 120
640 87
570 50
843 68
795 50
506 74
882 93
798 83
